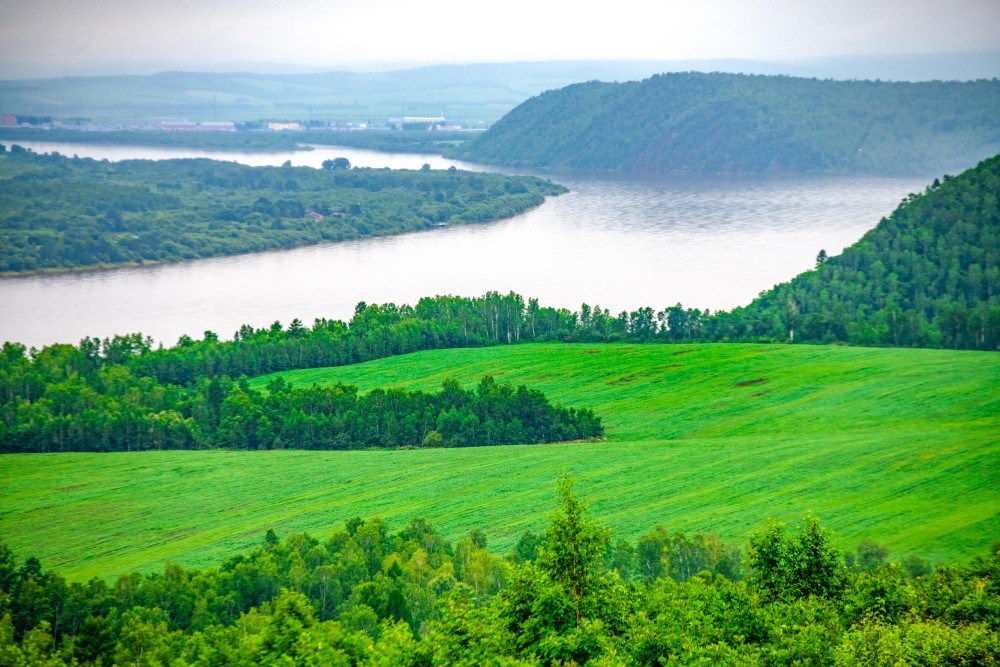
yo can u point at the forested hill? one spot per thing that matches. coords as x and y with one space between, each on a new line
731 123
929 275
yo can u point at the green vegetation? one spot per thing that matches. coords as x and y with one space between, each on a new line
571 596
729 123
893 445
62 213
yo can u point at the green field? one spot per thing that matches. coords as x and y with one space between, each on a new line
901 446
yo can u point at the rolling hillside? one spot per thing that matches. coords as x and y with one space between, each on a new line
729 123
895 445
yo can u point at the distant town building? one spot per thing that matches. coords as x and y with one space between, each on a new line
6 120
184 125
177 126
219 126
280 127
435 120
420 122
136 124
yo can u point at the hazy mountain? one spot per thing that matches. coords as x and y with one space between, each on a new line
466 93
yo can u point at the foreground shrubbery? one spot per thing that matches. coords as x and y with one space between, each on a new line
370 597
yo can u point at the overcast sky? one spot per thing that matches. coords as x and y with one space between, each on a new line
125 36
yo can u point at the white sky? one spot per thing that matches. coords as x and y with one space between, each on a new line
69 36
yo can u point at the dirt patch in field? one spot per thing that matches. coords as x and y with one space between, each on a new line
750 383
625 379
759 394
682 352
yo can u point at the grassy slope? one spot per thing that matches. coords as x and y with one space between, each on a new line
898 445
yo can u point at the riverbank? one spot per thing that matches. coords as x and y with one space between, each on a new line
251 141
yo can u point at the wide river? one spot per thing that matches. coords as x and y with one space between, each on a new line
620 243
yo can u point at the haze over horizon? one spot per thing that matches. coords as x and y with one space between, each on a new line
51 38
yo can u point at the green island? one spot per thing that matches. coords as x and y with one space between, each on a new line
142 211
698 123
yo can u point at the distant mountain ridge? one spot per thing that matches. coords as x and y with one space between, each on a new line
468 93
730 123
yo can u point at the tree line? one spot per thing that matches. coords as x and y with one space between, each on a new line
61 213
64 401
570 595
121 393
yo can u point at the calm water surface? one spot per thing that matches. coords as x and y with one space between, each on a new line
615 242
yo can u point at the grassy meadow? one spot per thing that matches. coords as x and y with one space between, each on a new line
901 446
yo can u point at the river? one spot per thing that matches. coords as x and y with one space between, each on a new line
620 243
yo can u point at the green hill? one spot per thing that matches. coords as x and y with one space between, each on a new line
730 123
929 275
894 445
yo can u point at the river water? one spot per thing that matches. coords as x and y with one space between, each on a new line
621 243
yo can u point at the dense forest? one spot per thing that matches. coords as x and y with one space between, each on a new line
572 595
58 212
730 123
928 275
